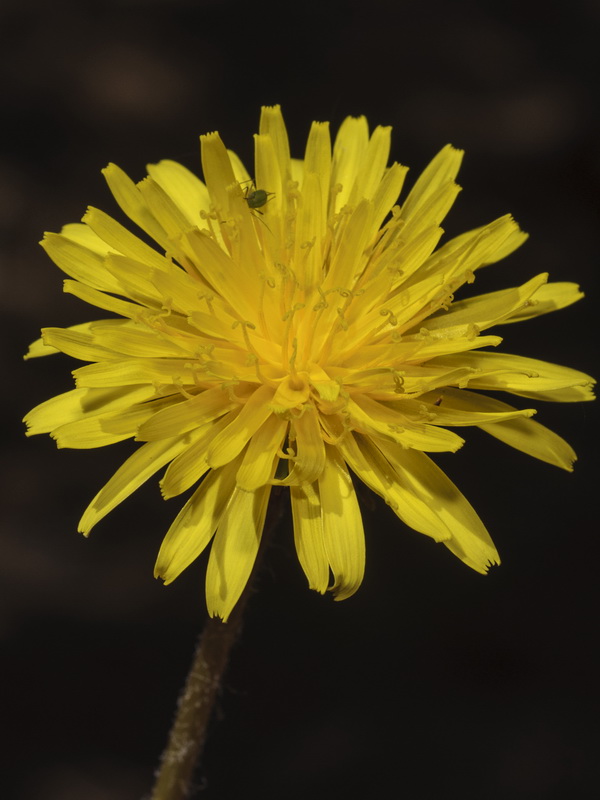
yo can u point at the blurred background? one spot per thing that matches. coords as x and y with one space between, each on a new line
432 681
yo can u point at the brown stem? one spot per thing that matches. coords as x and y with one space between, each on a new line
195 705
194 708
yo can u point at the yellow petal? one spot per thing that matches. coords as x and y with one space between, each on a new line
40 348
432 212
185 293
166 212
371 466
269 178
348 259
102 300
137 341
79 403
217 170
550 297
528 377
99 430
259 461
349 150
119 239
488 309
273 126
394 267
534 439
168 371
187 415
477 248
243 243
297 171
135 280
418 351
222 273
147 460
373 165
191 464
80 262
309 459
196 523
78 344
343 535
317 162
387 192
232 440
442 170
214 327
83 235
517 431
374 419
470 540
185 188
458 407
234 550
239 170
310 231
308 535
37 349
130 199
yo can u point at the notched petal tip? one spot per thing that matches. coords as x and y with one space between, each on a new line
217 616
344 591
84 530
450 148
210 136
490 565
161 570
54 435
159 575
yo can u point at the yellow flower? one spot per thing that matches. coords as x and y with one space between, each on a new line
299 329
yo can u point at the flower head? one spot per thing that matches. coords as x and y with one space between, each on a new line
295 328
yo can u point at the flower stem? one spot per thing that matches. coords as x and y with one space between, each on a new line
195 705
194 708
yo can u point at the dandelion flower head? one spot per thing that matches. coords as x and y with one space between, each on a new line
295 327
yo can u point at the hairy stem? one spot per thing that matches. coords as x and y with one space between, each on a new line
195 705
194 709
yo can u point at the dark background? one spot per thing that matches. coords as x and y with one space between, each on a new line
432 681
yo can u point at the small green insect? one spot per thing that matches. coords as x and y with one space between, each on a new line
256 198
